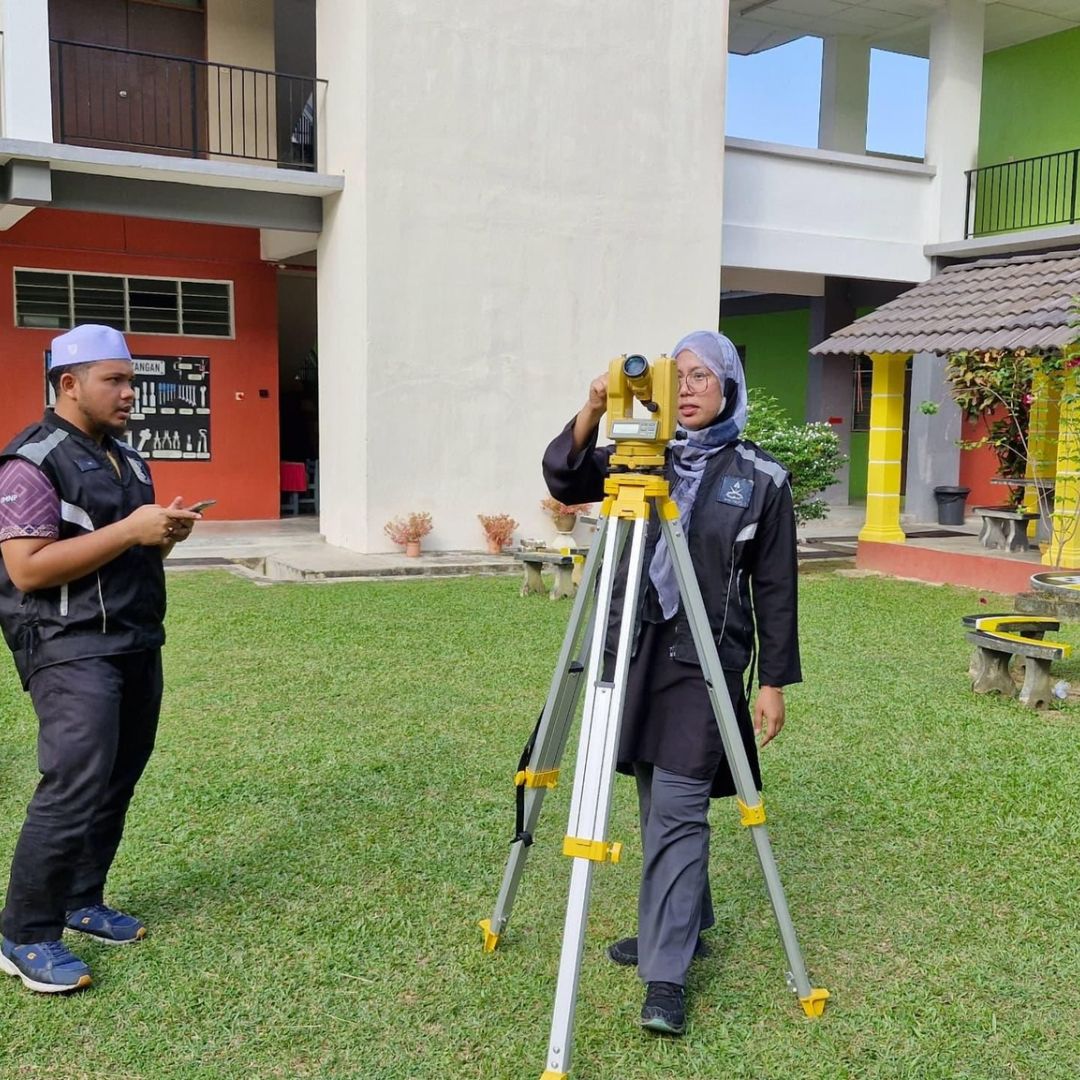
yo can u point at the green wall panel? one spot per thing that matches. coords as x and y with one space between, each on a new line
859 454
1029 101
776 354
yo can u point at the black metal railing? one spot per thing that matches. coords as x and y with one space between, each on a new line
124 99
1025 194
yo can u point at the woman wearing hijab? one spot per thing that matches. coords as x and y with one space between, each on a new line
735 506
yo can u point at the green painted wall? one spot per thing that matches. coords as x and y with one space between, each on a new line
1029 99
776 354
859 455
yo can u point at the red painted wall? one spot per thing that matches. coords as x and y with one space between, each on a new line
977 467
243 471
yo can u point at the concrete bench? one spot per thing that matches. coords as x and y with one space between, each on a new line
564 563
1004 528
997 639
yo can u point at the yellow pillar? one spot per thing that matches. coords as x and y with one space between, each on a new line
886 449
1042 438
1064 550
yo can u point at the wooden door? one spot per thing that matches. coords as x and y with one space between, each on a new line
167 91
123 76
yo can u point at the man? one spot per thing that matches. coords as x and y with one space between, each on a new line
82 599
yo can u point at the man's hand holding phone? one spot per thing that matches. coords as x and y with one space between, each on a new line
179 527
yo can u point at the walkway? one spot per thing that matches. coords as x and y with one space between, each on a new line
292 550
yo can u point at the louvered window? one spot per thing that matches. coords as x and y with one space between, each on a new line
152 306
207 307
42 300
98 299
56 300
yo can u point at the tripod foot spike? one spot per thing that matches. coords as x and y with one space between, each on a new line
551 1074
491 939
814 1002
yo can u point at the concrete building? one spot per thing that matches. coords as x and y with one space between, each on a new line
449 217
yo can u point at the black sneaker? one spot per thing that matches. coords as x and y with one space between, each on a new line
624 951
664 1010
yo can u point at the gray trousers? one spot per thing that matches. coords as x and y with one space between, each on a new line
674 902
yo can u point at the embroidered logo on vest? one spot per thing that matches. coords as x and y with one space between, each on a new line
735 491
138 468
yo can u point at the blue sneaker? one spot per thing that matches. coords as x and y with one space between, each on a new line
106 924
48 967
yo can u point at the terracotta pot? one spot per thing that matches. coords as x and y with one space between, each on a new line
564 523
494 547
412 548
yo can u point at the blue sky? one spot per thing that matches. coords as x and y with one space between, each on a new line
774 96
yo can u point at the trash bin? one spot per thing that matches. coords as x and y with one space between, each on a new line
950 504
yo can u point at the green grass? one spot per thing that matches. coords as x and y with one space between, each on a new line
327 816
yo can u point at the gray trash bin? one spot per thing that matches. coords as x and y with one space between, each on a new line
950 504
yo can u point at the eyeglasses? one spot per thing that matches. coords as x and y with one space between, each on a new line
697 382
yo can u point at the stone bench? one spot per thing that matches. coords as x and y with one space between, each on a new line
1004 528
997 639
565 564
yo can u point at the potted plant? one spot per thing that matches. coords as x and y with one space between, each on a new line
409 531
564 515
498 528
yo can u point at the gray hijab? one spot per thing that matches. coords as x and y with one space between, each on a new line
690 455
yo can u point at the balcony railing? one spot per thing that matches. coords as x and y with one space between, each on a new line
127 100
1025 194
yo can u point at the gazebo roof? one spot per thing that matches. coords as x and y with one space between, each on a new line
1021 302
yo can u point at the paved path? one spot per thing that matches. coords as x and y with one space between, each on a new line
292 550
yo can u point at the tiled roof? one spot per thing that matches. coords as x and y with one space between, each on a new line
1020 302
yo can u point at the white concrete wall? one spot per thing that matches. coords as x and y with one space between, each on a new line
27 98
822 212
530 190
953 109
240 32
845 94
241 105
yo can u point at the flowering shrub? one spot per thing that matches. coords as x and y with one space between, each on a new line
408 529
995 387
810 452
498 528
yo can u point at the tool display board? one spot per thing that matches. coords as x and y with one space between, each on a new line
170 419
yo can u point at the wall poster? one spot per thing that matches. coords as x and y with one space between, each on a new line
170 419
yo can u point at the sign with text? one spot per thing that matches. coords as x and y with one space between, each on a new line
170 417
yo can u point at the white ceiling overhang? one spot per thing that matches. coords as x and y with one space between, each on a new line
896 25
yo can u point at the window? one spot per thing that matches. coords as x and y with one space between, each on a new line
58 300
98 299
862 377
862 374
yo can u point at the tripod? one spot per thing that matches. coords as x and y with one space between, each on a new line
630 497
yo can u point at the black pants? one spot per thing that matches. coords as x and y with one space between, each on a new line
97 719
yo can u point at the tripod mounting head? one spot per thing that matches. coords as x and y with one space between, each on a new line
640 441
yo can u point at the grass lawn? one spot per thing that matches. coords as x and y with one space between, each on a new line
328 811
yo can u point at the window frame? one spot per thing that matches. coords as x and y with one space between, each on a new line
179 282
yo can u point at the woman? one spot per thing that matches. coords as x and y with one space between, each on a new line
736 509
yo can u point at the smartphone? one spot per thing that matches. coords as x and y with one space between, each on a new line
203 504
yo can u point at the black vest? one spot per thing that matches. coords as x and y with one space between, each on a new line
119 608
720 539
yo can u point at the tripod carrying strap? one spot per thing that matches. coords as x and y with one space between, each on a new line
524 778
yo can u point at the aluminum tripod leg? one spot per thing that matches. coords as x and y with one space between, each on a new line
751 807
551 735
586 840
